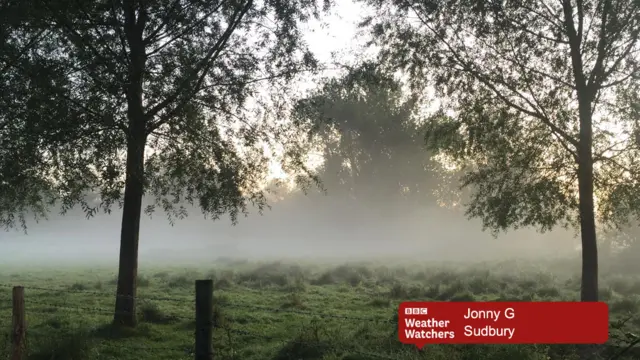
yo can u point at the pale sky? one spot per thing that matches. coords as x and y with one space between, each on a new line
335 32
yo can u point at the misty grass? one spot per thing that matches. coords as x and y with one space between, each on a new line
266 311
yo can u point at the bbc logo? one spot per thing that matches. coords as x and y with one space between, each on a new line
416 311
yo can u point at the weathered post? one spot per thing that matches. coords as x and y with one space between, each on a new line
19 325
204 320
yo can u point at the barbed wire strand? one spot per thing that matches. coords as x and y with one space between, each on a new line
306 312
94 310
186 350
189 350
99 310
235 305
102 293
310 344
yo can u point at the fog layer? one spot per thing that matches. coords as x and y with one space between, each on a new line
315 227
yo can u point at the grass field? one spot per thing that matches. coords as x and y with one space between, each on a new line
283 310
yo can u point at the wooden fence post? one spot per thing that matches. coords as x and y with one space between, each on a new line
204 320
18 336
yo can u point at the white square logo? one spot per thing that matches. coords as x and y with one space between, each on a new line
407 311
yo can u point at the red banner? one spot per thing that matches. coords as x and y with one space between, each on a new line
422 323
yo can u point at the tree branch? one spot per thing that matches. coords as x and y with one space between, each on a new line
80 42
165 20
204 66
184 31
26 48
539 106
488 83
598 68
121 36
580 5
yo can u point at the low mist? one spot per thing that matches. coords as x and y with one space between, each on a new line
321 227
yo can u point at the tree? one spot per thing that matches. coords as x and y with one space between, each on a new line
132 97
18 182
528 92
371 143
374 168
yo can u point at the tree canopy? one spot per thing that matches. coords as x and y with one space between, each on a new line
126 98
370 138
200 66
529 95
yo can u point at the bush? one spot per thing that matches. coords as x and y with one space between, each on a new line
151 313
79 287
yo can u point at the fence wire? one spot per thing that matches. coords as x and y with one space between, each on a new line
233 306
104 294
310 344
306 313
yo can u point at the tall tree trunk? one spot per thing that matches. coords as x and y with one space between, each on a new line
585 95
125 311
589 286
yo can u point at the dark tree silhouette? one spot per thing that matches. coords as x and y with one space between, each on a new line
125 98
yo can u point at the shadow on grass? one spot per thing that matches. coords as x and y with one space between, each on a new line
59 343
114 332
303 349
152 314
71 345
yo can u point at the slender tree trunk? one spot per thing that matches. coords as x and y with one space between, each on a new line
589 286
125 311
585 94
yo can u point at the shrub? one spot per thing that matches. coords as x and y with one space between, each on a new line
79 287
151 313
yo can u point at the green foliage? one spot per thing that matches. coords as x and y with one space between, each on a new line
511 78
86 83
22 189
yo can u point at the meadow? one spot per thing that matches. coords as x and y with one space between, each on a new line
288 310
